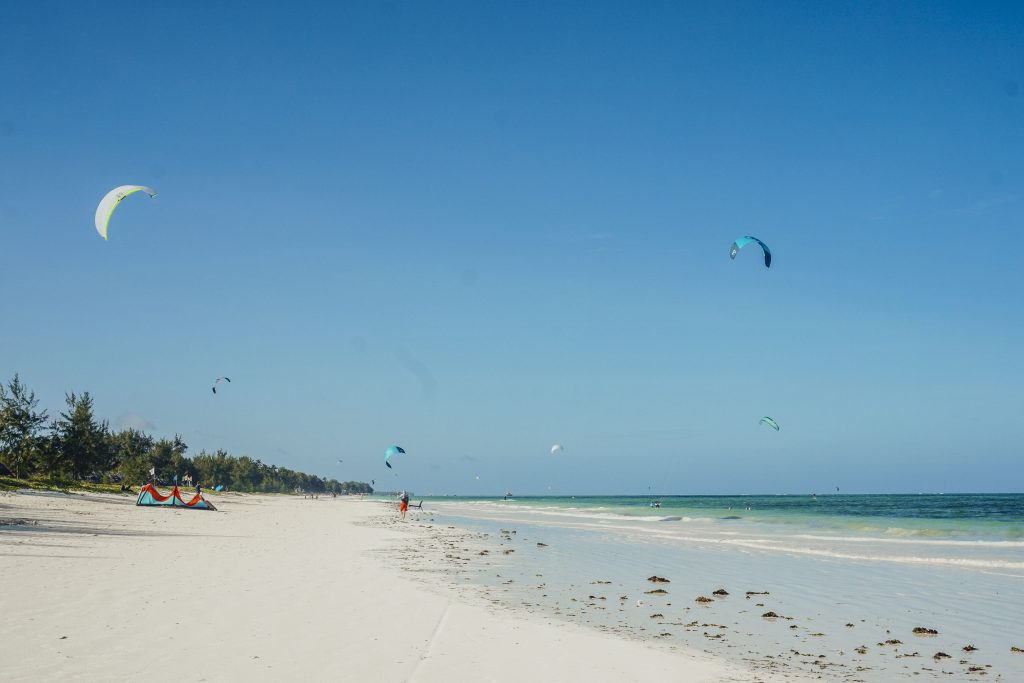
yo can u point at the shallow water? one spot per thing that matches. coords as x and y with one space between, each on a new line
884 566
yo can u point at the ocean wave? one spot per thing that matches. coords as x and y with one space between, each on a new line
594 513
781 546
913 541
974 563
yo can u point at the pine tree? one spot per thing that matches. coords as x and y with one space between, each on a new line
130 450
83 441
20 427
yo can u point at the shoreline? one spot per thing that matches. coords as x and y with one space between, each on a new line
847 614
269 587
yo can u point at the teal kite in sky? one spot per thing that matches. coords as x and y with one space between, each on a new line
770 422
392 450
744 241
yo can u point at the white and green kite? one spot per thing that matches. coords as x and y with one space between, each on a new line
110 202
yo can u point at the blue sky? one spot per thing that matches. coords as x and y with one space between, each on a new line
478 229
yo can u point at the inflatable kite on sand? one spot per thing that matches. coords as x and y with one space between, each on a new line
150 496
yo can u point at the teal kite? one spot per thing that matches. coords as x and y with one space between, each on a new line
770 422
744 241
392 450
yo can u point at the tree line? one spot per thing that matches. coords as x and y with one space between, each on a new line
77 446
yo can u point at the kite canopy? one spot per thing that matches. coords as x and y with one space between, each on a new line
218 381
392 450
744 241
770 422
557 448
111 200
150 496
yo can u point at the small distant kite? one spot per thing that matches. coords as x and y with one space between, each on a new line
744 241
340 461
218 381
392 450
557 448
770 422
111 200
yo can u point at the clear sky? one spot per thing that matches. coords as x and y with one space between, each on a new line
476 229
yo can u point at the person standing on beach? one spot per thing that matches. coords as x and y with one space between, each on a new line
403 506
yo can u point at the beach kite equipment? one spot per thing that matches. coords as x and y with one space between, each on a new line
744 241
150 496
390 451
557 448
770 422
218 381
111 200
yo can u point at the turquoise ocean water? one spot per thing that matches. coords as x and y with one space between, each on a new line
982 517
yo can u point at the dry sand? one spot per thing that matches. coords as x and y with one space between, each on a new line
267 588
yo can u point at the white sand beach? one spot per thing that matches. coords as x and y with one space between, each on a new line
268 588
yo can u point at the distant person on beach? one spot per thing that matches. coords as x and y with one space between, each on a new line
403 506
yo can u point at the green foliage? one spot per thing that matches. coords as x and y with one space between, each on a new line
44 483
20 427
83 441
130 450
77 447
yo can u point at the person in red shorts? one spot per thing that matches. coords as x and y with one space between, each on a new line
403 506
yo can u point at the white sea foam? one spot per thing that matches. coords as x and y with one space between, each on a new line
598 513
772 545
913 541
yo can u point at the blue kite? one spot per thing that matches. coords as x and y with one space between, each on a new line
744 241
